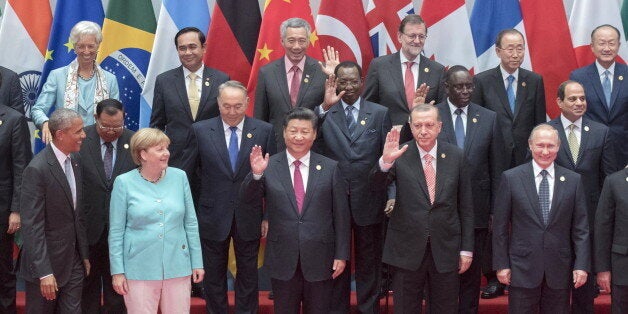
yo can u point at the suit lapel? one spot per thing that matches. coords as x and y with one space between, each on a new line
618 88
217 136
179 85
246 143
312 182
95 153
585 135
448 124
59 175
559 186
527 177
396 75
78 183
500 89
309 70
522 91
283 172
339 116
473 118
594 78
364 115
564 150
206 85
122 158
442 167
280 77
413 157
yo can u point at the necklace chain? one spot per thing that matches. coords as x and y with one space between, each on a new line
151 181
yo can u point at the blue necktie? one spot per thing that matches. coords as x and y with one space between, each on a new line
544 197
233 147
511 93
606 86
350 121
459 128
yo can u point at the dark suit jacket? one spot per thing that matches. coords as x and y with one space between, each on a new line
219 201
272 99
448 222
15 153
357 155
11 90
484 152
611 228
171 107
320 234
617 117
53 230
596 159
96 206
529 108
522 242
384 84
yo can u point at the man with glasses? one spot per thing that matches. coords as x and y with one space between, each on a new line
105 155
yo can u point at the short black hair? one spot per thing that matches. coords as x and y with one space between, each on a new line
110 106
453 70
411 19
301 113
201 35
504 32
563 86
349 65
606 25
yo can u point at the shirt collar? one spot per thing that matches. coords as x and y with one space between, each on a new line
356 104
453 107
566 123
432 151
403 58
537 169
240 125
199 72
305 160
289 64
601 69
61 157
505 74
114 142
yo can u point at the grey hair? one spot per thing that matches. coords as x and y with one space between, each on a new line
232 84
294 22
544 127
61 119
83 28
424 108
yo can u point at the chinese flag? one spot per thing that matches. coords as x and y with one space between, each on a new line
269 43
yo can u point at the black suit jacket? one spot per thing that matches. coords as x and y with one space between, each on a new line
52 228
272 99
611 228
384 84
96 206
171 107
617 117
219 202
448 222
11 90
596 159
317 236
522 242
15 153
529 108
484 152
357 155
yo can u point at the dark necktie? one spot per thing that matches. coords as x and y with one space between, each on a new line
606 86
408 84
459 128
350 120
510 90
295 84
544 201
233 147
69 175
108 160
299 190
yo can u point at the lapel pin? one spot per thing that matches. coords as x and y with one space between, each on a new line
621 78
523 84
626 179
306 80
318 167
249 135
475 120
126 146
363 122
426 70
562 179
586 128
443 155
207 84
0 122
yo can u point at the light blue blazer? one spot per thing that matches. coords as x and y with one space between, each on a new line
153 232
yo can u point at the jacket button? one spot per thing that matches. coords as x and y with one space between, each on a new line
183 246
161 236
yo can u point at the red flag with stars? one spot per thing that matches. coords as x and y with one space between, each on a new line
269 42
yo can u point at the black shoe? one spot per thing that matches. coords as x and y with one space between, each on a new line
197 291
271 295
493 290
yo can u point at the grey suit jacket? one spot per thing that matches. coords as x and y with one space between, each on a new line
524 244
490 93
53 230
171 107
97 186
317 236
272 99
11 90
483 150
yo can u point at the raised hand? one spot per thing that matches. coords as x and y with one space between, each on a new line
330 93
259 162
391 147
332 59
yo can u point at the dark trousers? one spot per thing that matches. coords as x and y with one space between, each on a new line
368 247
290 294
99 280
7 277
471 279
619 299
408 288
215 259
582 299
68 299
541 299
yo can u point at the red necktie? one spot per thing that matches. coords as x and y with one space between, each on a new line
430 176
409 84
295 84
299 191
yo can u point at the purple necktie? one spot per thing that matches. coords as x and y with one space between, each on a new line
299 191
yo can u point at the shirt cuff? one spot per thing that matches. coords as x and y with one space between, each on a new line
40 278
322 112
466 253
384 167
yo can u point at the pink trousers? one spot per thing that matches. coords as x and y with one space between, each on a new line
171 296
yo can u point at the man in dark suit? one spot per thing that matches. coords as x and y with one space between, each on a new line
105 155
11 90
430 232
55 255
219 148
606 87
296 80
611 240
309 228
353 132
540 230
475 130
185 94
390 84
15 153
586 149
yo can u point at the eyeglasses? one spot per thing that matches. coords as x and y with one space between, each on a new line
413 37
511 50
109 128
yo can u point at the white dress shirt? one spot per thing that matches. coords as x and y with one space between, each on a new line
577 130
305 168
601 69
463 115
415 67
227 129
199 78
505 79
550 178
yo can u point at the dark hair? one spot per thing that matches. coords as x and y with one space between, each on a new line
201 36
453 70
109 106
606 25
348 65
562 86
504 32
301 113
411 19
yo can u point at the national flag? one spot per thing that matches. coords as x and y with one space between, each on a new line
269 46
232 36
587 15
173 16
448 19
343 25
128 35
624 19
384 17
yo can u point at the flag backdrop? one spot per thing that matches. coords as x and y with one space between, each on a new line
383 18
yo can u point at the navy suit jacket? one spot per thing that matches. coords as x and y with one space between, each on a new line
11 90
597 109
218 200
484 152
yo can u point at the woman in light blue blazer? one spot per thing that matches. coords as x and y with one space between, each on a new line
154 243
